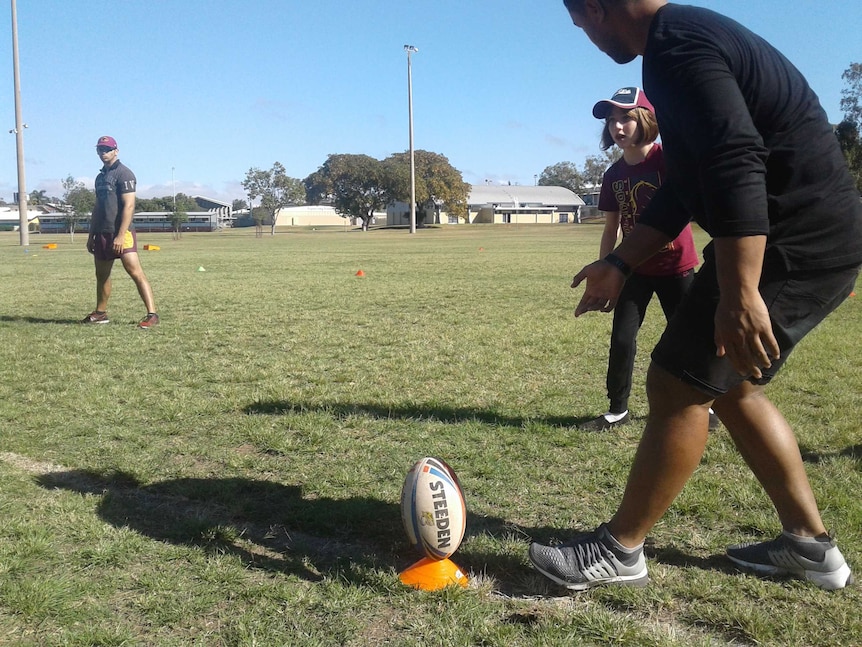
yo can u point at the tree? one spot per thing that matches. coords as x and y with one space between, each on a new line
178 202
356 185
239 205
37 197
178 217
80 201
595 166
275 189
183 202
439 185
848 131
851 96
563 174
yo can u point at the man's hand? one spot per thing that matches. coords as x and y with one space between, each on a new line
743 332
604 283
118 244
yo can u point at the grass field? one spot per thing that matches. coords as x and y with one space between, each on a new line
232 477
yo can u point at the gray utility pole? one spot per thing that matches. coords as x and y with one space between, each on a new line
19 136
410 49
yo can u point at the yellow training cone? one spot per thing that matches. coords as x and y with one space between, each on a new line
201 269
433 574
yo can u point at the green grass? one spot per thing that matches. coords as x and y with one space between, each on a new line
232 477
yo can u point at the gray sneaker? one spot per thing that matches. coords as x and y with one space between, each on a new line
816 560
590 560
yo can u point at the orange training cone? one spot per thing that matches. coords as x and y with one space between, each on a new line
433 574
360 273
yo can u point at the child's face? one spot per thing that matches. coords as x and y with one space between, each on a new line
623 128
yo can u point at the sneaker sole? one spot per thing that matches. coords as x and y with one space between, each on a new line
829 581
639 580
96 323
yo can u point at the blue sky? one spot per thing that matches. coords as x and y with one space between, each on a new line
198 91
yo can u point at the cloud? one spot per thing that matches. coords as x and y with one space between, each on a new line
560 142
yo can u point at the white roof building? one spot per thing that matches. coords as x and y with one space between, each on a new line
498 203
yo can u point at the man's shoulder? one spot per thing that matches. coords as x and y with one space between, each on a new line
125 177
122 178
122 169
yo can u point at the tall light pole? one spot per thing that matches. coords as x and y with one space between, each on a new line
410 49
23 224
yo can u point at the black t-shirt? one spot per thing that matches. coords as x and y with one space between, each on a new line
749 150
111 183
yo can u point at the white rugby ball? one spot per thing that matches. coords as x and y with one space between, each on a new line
433 509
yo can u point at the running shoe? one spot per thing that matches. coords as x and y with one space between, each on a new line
96 317
604 422
592 559
152 319
816 560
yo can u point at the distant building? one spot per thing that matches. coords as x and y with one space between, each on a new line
311 215
222 210
216 215
10 221
503 204
308 215
490 203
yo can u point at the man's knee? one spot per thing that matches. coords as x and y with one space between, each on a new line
132 265
668 392
737 397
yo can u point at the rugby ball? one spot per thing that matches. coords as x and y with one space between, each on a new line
433 509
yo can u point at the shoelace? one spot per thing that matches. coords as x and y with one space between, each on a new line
589 553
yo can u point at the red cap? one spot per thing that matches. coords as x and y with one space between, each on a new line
625 98
107 141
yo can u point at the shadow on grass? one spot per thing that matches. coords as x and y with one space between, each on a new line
271 526
37 320
853 451
418 412
266 524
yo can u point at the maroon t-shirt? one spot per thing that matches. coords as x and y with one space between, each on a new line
628 189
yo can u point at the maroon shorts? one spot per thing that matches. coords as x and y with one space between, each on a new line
103 246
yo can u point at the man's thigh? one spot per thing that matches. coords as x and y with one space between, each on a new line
797 302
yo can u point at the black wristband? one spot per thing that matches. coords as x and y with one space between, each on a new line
619 263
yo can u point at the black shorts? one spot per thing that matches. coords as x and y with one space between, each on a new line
797 302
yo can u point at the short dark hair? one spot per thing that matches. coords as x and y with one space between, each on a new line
579 5
574 5
647 127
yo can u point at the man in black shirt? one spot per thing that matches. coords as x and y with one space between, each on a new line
112 234
752 158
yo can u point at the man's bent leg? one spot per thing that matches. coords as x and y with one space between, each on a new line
768 445
669 451
132 265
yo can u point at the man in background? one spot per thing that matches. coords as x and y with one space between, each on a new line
112 234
